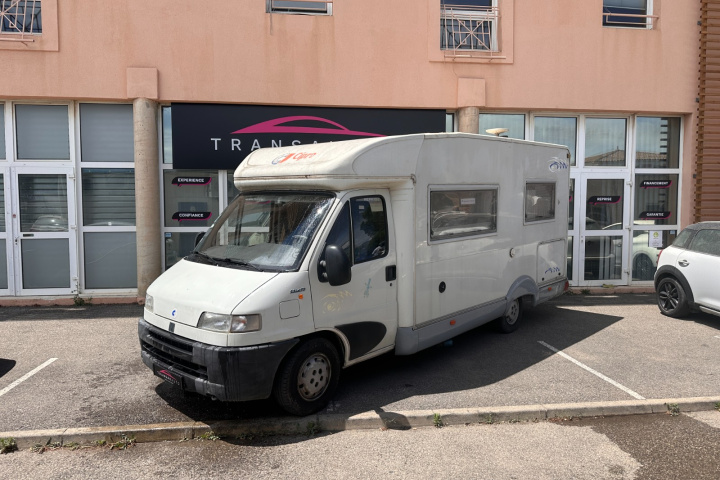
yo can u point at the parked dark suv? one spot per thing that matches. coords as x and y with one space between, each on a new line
688 274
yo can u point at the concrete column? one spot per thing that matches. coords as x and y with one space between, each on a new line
147 193
468 119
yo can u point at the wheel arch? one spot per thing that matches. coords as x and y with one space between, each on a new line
671 271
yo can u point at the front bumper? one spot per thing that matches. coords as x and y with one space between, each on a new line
225 373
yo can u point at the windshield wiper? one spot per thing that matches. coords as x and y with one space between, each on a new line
206 258
238 262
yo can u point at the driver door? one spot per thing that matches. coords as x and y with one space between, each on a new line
364 310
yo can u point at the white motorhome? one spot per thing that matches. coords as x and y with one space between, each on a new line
335 253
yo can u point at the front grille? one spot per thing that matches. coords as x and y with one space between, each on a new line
173 352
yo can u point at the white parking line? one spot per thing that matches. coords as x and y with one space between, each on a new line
25 377
594 372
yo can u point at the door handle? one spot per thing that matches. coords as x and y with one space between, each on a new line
683 263
390 273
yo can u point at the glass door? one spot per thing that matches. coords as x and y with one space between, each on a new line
44 231
603 229
6 284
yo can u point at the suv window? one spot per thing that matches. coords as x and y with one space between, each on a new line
706 241
683 238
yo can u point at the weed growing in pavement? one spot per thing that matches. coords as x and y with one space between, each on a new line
673 409
312 429
717 406
585 291
208 436
81 302
7 445
124 443
437 420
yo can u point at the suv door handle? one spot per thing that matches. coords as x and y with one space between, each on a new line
683 263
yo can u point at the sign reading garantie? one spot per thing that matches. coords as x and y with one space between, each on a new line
219 137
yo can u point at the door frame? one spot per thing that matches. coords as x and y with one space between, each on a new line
583 233
16 235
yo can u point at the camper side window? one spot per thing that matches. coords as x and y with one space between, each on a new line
459 213
539 201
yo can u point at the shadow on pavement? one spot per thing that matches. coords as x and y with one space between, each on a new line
9 314
6 365
473 360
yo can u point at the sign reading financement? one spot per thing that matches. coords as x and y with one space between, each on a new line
219 137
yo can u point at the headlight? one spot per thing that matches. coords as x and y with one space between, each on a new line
149 303
218 322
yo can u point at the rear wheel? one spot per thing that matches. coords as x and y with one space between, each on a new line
508 323
671 298
308 377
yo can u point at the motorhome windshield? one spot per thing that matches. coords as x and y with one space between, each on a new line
268 231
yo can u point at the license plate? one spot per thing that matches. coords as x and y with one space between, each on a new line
169 376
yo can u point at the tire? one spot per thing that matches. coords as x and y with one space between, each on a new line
671 298
509 322
308 377
643 268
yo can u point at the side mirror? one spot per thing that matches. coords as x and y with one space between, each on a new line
337 267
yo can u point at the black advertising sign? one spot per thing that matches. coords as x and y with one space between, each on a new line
219 137
184 216
655 215
655 184
602 200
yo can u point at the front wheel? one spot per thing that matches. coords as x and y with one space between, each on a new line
308 377
671 298
508 323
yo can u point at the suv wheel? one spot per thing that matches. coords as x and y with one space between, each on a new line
671 298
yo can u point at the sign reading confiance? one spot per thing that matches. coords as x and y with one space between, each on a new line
219 137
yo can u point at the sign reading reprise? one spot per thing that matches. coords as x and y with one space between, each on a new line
219 137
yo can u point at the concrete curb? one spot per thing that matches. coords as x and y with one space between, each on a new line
366 420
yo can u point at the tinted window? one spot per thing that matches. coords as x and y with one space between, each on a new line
460 213
683 238
706 241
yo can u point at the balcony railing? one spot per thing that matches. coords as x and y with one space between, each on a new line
469 31
20 20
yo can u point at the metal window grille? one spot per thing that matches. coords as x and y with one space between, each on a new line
300 6
20 19
467 29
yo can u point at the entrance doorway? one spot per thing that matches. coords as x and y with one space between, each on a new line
41 232
602 229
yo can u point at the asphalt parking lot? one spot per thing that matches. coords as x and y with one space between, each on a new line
68 367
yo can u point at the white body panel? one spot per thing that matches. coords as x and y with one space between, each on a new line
481 273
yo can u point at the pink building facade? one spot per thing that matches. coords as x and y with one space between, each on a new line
121 122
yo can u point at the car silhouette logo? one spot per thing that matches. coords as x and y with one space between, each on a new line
275 126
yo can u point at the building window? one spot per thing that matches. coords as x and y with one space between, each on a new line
468 25
539 202
108 197
106 133
42 132
460 213
299 7
20 16
559 130
2 131
110 260
605 142
658 142
627 13
503 125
